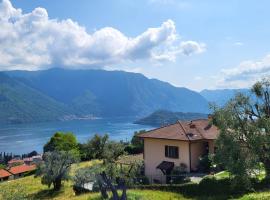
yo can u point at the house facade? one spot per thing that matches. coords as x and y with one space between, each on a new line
177 145
21 170
5 175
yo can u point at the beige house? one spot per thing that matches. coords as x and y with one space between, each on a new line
179 144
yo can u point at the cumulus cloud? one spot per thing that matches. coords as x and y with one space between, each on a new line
33 41
245 74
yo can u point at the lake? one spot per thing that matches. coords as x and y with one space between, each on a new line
24 138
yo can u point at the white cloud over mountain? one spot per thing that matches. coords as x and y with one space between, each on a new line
245 74
33 41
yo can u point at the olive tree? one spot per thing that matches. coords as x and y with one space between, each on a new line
55 168
244 124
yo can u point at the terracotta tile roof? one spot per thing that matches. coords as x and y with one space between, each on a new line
184 130
4 173
15 161
21 169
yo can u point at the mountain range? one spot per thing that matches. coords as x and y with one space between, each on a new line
165 117
221 96
55 94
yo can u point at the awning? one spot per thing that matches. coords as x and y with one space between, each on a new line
166 167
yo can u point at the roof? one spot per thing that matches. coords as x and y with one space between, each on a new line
194 130
21 169
15 161
4 173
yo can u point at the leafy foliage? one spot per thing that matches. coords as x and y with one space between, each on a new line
94 148
136 144
244 139
62 142
55 168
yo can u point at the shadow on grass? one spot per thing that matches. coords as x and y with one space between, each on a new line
46 194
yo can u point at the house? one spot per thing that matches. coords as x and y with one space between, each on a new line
5 175
21 170
33 160
15 162
179 144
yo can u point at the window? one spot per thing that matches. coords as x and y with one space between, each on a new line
171 152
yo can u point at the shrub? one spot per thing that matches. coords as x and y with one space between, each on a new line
211 185
179 179
142 181
205 163
177 170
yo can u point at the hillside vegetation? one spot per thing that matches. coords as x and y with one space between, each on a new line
164 117
52 94
35 190
20 103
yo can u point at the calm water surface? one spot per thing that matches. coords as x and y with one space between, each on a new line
24 138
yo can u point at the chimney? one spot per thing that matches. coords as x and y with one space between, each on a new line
191 125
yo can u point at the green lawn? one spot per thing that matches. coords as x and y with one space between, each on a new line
35 190
222 174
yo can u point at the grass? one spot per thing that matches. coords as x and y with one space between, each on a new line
35 190
222 174
257 195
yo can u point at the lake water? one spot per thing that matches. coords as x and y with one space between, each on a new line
24 138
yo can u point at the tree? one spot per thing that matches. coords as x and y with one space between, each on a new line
94 148
55 168
62 142
136 144
112 151
244 125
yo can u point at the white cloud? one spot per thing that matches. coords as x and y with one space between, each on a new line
238 44
190 47
245 74
33 41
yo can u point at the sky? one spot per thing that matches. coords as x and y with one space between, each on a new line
196 44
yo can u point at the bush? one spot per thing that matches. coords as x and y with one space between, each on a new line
179 179
205 163
142 181
211 185
131 149
177 170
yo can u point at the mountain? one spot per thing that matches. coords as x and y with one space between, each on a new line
221 96
104 93
163 117
20 103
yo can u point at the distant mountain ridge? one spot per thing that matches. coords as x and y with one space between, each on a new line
221 96
164 117
96 93
20 103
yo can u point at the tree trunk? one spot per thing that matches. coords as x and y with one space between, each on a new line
57 184
103 191
109 183
267 170
124 194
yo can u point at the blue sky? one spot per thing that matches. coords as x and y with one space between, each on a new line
195 44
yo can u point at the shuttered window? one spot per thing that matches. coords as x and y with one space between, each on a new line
171 152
